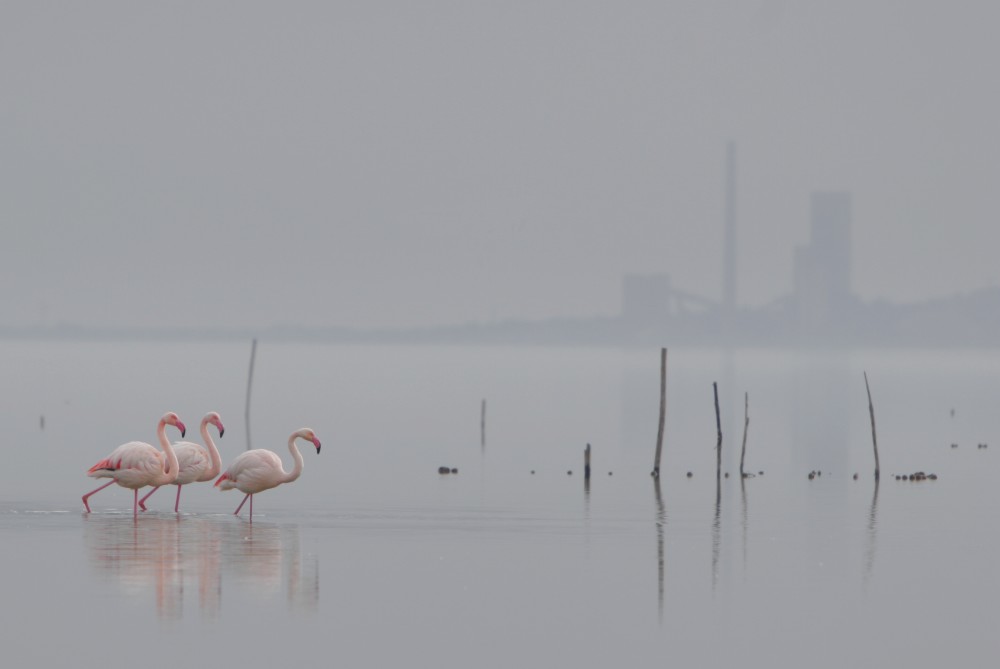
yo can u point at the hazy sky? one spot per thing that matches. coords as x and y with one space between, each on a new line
403 163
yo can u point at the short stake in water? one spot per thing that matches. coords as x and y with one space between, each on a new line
871 412
586 463
746 424
663 410
718 428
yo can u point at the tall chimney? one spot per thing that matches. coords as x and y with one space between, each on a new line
729 250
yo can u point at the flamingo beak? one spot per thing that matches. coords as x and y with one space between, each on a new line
316 442
180 426
222 430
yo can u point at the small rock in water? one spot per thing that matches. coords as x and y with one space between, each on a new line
760 473
454 470
532 472
855 476
812 475
444 470
690 474
609 473
954 445
727 474
569 472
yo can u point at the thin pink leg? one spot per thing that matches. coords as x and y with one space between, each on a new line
142 504
177 502
251 508
85 504
237 511
135 503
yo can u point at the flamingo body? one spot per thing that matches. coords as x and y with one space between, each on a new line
253 472
132 465
260 469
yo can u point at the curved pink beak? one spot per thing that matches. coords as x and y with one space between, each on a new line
317 444
180 426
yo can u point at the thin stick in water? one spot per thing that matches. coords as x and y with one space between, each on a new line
663 410
253 355
586 462
482 425
718 427
871 412
746 424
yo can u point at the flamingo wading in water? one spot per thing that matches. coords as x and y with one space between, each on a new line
260 469
195 464
137 464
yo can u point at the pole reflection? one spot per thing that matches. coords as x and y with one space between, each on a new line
157 556
661 523
716 532
872 527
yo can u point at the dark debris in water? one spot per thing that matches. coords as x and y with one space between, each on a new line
916 476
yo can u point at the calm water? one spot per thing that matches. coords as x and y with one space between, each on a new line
374 559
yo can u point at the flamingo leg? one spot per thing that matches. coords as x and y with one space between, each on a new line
135 503
251 509
85 504
142 501
177 502
237 511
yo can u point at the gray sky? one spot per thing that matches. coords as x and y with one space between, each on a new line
411 163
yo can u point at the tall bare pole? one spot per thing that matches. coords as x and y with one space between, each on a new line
746 424
663 410
718 427
253 355
871 412
482 426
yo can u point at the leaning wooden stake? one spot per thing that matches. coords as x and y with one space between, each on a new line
718 427
663 410
253 355
746 424
871 411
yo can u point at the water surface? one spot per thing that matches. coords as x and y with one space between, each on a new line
372 558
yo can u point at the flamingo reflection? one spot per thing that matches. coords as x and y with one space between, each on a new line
159 556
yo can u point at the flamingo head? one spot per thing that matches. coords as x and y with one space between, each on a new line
213 418
309 435
170 418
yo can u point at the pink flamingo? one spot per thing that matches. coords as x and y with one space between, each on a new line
259 470
137 464
195 463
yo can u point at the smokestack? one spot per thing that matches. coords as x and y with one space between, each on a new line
729 250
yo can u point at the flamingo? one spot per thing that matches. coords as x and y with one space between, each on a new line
195 463
260 469
137 464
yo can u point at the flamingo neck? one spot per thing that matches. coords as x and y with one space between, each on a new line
169 474
297 469
213 453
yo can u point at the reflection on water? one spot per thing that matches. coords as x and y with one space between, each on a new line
160 555
872 525
716 532
661 523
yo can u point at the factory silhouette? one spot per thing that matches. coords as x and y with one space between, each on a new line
821 309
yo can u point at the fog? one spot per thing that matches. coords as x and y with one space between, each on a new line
399 164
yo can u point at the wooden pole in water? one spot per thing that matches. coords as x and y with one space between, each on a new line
253 355
871 412
482 425
586 462
746 424
663 410
718 427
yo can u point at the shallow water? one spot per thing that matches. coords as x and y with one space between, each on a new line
372 558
